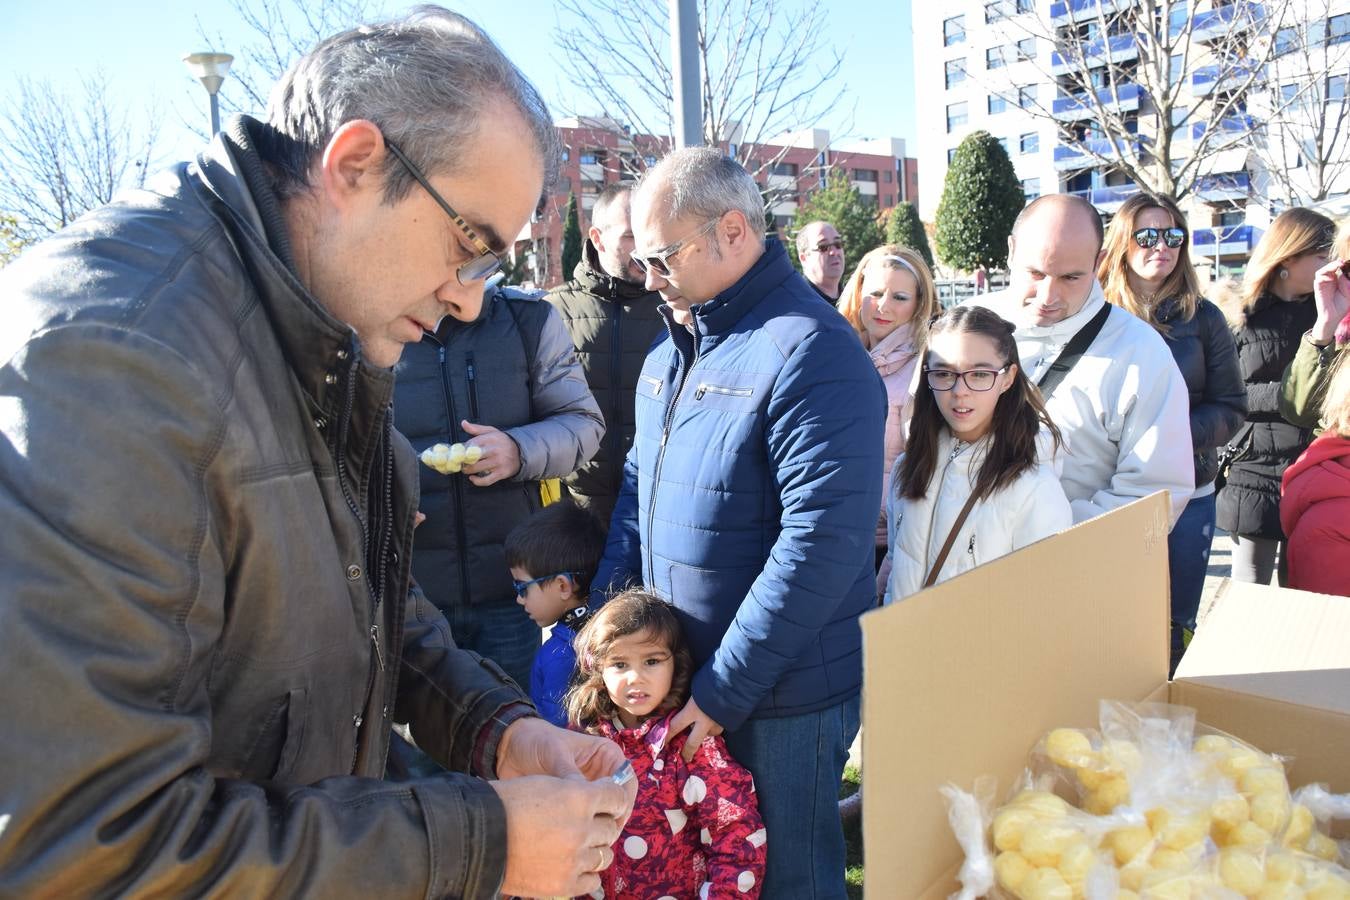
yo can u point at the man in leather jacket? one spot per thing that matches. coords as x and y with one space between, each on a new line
207 625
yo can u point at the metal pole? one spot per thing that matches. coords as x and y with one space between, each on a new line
688 113
215 115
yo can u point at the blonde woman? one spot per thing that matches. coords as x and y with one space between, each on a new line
1274 312
1146 270
890 300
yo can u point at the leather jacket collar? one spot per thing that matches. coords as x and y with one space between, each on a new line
324 353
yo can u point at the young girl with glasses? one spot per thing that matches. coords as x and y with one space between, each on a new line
980 443
1146 270
695 830
889 300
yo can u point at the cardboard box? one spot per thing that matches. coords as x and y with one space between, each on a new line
962 679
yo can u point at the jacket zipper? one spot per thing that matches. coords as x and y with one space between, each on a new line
971 550
615 429
471 374
661 456
654 382
374 580
706 388
457 484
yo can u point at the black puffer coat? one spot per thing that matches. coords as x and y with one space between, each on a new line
1207 357
1266 343
613 324
513 369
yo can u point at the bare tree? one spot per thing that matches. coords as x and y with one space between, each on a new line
283 31
765 67
1305 153
1153 89
62 155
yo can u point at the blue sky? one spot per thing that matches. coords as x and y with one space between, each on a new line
138 44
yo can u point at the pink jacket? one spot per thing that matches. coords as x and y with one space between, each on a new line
897 362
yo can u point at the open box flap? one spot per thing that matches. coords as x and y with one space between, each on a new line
1275 643
962 679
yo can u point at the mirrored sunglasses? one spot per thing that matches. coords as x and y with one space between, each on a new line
1148 237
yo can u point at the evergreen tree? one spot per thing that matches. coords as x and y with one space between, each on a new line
840 204
10 242
905 229
571 239
981 198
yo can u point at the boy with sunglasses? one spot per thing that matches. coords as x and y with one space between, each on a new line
553 556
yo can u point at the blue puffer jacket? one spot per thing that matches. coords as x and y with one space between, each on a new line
751 492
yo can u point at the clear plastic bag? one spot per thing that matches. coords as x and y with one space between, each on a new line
969 814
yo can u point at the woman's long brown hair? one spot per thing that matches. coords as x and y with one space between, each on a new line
1182 285
1018 417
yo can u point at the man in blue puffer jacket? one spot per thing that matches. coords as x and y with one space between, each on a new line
750 499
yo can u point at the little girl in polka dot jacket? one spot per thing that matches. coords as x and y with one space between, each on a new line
695 831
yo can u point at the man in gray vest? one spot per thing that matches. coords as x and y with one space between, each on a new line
613 320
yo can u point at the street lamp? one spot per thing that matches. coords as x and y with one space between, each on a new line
210 69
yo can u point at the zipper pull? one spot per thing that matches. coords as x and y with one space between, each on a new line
702 389
971 548
664 435
440 355
375 642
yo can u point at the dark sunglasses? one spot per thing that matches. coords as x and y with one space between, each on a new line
523 586
1148 237
482 265
659 262
826 248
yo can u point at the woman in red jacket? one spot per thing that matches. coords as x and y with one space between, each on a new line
695 831
1315 499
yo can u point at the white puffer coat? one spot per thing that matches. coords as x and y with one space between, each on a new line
1031 508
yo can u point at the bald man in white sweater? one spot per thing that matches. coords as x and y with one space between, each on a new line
1123 407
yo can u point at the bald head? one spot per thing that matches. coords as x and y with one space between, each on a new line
1063 211
1053 254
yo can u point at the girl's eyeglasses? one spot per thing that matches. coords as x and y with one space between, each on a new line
659 262
1148 237
979 380
523 586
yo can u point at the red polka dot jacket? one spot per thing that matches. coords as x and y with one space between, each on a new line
695 830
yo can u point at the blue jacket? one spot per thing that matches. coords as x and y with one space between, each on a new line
751 493
552 673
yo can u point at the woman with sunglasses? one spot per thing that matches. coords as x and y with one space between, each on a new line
1269 318
1146 270
976 480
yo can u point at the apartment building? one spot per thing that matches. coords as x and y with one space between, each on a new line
1015 68
789 168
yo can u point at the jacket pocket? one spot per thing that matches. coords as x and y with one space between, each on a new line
653 385
719 390
276 747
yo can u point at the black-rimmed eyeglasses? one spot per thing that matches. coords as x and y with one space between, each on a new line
487 261
1148 237
979 380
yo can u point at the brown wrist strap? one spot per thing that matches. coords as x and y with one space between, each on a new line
951 538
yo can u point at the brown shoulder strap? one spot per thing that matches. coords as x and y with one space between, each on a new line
951 538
